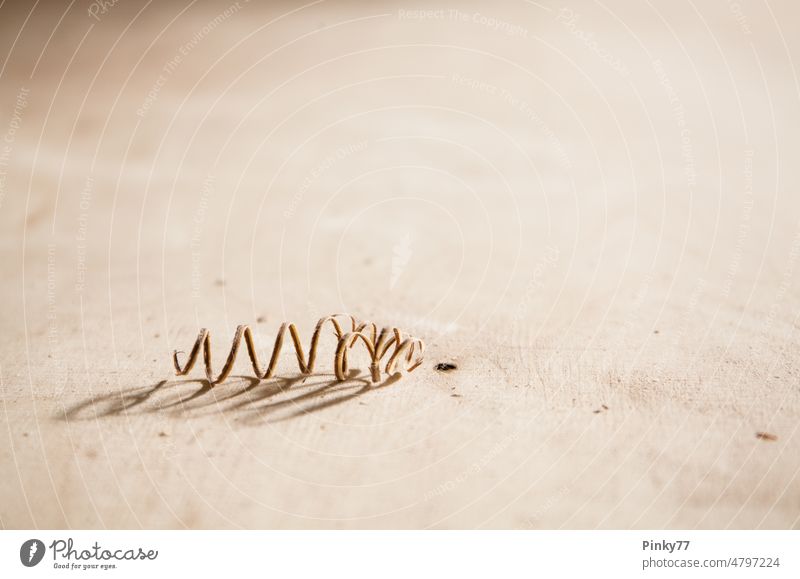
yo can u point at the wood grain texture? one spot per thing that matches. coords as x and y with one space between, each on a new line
592 212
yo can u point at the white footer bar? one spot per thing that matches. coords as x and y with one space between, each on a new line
388 554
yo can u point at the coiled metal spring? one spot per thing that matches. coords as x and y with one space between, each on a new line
378 344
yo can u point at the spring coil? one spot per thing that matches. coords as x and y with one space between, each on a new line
378 344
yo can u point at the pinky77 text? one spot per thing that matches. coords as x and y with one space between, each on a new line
664 545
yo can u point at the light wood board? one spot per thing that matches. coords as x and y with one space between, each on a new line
592 211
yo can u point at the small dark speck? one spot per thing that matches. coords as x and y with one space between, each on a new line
766 436
162 434
445 366
261 319
455 395
605 407
156 335
155 359
595 412
363 403
655 331
322 427
91 454
25 434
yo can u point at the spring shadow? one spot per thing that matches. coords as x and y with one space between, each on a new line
249 400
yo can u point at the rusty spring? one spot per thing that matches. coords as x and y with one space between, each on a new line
377 343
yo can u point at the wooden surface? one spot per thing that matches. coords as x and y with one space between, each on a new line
592 214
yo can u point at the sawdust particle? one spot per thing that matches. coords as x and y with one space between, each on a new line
445 367
766 436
